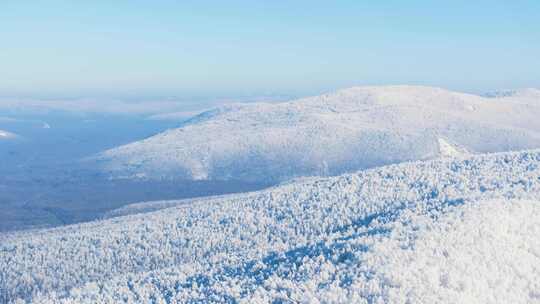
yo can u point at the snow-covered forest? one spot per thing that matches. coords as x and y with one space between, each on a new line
443 230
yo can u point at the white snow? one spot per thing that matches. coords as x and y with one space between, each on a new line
450 230
331 134
448 150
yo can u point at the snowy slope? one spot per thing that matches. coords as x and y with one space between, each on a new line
145 207
448 230
351 129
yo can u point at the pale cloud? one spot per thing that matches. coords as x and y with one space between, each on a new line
6 135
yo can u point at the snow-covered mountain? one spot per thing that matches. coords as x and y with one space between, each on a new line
449 230
351 129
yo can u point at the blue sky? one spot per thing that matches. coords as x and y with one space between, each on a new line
228 48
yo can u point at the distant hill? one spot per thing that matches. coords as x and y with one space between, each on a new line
344 131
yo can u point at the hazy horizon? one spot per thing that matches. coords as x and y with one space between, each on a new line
210 49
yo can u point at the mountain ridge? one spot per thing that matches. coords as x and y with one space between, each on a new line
330 134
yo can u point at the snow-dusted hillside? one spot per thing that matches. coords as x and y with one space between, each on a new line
331 134
447 230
